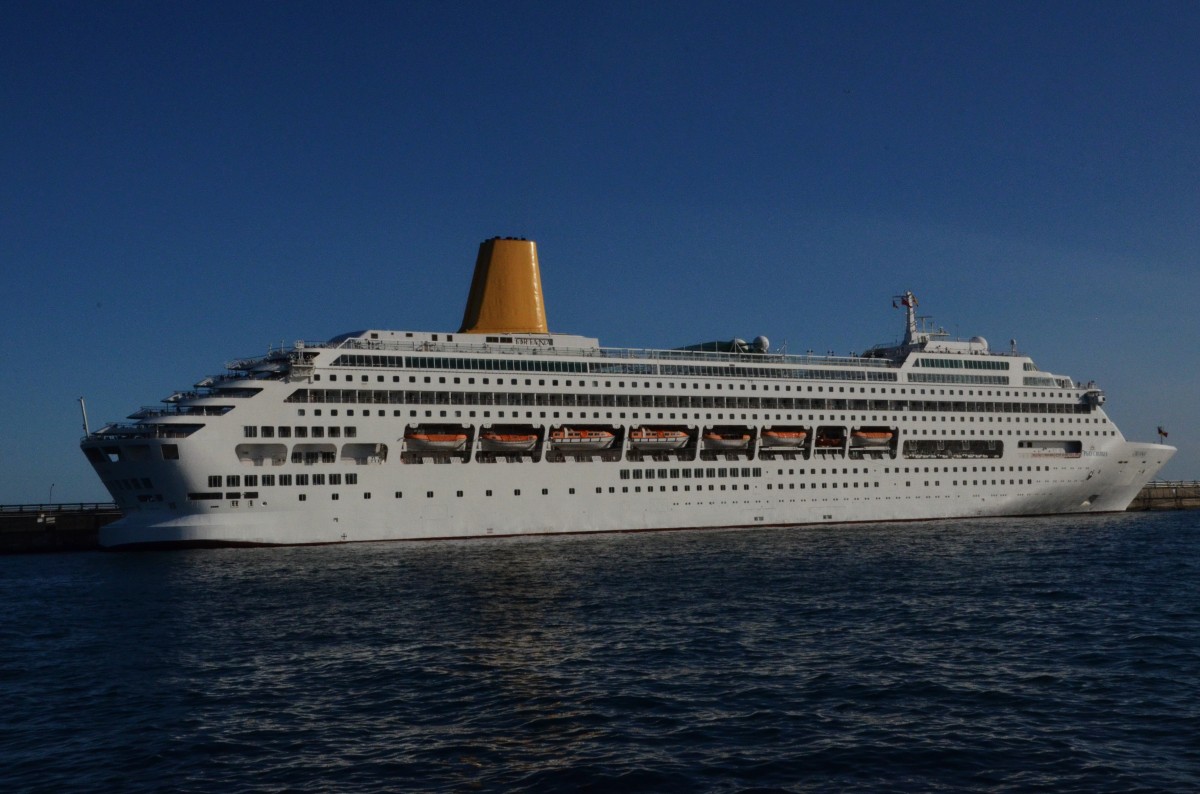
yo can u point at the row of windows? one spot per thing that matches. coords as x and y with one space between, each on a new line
270 480
350 478
485 364
663 474
285 431
686 488
692 370
985 380
710 473
1062 394
606 367
235 496
608 384
234 480
557 399
959 363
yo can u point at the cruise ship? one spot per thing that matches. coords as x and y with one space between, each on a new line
502 428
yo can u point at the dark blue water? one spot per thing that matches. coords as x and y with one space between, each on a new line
994 655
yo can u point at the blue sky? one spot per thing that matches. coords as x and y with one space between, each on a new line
182 184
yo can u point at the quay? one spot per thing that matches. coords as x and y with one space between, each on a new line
53 527
1167 496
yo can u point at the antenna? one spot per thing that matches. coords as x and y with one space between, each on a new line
83 410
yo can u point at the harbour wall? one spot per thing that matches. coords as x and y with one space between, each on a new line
1168 496
35 528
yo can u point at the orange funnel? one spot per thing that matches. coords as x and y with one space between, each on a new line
506 291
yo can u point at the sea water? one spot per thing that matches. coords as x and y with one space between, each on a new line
1058 655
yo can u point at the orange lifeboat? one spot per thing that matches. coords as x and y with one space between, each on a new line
870 438
434 441
507 442
655 438
784 438
571 439
726 440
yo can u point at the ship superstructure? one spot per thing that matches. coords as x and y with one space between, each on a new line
503 428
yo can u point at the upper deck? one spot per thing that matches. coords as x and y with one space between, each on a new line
932 361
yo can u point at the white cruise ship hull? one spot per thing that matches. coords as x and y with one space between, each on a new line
1078 485
330 442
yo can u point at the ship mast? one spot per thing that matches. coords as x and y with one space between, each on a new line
909 302
83 410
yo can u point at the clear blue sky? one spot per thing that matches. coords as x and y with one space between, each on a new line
185 183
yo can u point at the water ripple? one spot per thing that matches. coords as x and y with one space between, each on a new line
1044 655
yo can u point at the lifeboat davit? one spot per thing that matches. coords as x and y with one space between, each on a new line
870 438
430 441
572 439
507 442
784 438
716 440
652 438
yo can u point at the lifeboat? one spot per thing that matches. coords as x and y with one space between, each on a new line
652 438
569 438
726 440
784 438
870 438
507 442
432 441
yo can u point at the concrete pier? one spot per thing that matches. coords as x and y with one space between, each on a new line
53 527
1168 496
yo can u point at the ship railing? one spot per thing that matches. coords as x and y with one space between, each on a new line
211 381
140 431
454 347
154 411
460 348
745 358
59 507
